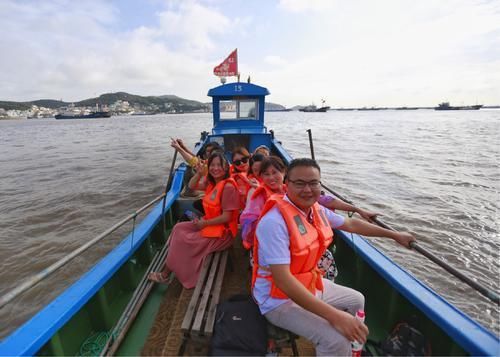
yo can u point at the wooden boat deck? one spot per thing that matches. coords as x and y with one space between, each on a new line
165 337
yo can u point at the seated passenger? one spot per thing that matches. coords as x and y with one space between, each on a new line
190 242
190 158
254 168
292 234
262 149
240 167
273 172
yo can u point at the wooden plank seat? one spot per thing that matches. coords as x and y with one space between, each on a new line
198 322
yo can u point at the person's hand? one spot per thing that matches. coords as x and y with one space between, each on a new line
200 167
199 223
174 144
180 142
350 327
404 238
253 182
368 215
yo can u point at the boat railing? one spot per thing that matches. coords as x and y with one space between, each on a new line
35 279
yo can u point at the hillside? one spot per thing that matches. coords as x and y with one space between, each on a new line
158 103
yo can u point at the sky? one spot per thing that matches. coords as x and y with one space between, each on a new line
352 53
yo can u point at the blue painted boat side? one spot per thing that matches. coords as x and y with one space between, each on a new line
281 150
34 334
471 336
242 130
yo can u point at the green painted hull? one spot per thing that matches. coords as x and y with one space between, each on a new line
385 306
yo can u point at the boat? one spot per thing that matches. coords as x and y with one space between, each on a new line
91 115
73 113
447 106
115 310
313 109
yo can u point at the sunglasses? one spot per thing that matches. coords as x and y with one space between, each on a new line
243 160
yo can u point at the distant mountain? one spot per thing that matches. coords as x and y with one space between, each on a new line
273 106
160 102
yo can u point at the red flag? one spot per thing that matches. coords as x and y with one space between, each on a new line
229 67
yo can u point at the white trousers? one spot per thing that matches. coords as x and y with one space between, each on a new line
327 340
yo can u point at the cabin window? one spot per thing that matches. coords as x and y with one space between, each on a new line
238 109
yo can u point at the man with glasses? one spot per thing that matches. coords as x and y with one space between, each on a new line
292 234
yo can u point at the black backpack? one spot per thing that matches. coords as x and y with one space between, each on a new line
240 329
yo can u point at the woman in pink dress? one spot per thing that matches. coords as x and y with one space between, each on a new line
190 242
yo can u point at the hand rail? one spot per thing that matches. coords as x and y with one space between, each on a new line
414 245
35 279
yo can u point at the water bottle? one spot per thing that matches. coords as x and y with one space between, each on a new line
357 347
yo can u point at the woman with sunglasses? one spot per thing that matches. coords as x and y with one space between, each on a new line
240 166
191 242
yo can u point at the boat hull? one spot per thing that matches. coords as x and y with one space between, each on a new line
86 116
315 110
96 302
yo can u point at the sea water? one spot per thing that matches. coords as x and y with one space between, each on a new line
433 173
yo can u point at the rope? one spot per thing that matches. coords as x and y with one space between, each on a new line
95 343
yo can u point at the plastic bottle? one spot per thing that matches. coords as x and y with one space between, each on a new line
357 347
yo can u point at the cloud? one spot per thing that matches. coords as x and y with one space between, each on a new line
306 5
275 60
356 53
72 50
193 24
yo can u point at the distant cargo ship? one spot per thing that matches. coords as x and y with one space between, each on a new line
91 115
71 112
447 106
312 108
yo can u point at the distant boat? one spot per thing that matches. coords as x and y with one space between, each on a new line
312 108
91 115
74 113
447 106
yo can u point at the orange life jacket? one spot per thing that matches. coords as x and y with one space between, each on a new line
243 186
266 192
262 190
308 242
212 204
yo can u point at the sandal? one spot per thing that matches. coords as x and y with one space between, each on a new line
158 277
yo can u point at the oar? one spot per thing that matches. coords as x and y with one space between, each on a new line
167 187
475 285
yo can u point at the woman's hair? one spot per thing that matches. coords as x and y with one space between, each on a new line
261 149
273 161
211 145
224 163
255 158
240 150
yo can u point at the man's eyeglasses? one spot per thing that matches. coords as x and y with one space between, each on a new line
314 185
243 160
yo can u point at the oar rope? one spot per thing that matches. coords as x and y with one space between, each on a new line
414 245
